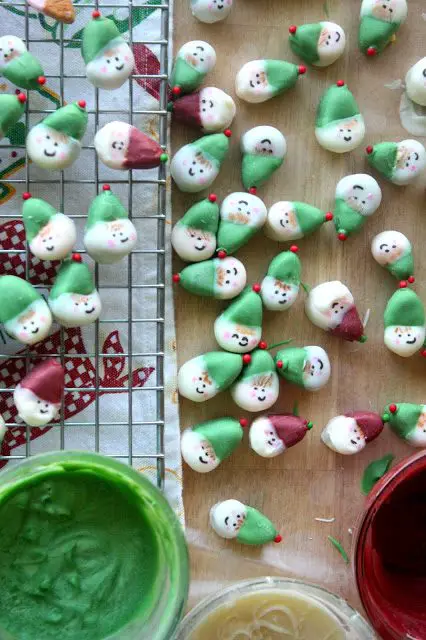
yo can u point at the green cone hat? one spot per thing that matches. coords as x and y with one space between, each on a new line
382 157
337 103
304 42
404 420
309 218
286 267
293 363
404 309
73 277
245 310
261 363
97 35
215 146
203 215
257 529
36 214
223 367
70 120
224 434
16 295
105 207
12 108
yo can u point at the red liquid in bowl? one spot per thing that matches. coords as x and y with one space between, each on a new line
390 556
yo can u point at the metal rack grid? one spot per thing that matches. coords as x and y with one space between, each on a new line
28 182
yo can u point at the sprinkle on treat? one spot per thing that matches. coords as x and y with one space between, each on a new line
280 286
23 312
242 215
258 386
357 197
203 377
261 80
73 299
404 321
408 421
271 435
222 278
38 396
415 82
122 146
289 221
55 142
349 433
398 162
379 22
108 58
210 11
331 307
193 62
239 328
232 519
50 235
393 251
195 166
60 10
319 44
18 65
207 444
194 235
308 367
12 108
339 126
210 110
263 150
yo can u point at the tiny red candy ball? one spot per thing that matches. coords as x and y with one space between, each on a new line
253 191
292 28
41 80
278 539
228 133
82 104
423 353
302 70
342 236
176 277
411 279
393 408
279 364
369 149
403 284
262 345
96 14
76 257
256 287
294 248
246 358
22 97
14 154
176 91
212 197
221 254
329 216
371 51
243 422
106 187
26 195
340 83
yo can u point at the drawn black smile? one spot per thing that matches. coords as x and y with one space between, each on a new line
49 248
354 442
243 342
35 330
49 155
347 138
202 461
282 223
282 301
124 239
261 399
44 411
200 248
198 391
252 84
120 68
89 311
413 341
191 172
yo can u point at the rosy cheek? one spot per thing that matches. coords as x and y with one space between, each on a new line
397 341
22 334
210 118
253 341
185 163
103 69
227 335
253 393
133 236
62 155
201 180
256 210
39 140
111 244
43 320
194 380
126 58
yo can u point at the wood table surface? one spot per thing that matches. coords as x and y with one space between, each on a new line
308 481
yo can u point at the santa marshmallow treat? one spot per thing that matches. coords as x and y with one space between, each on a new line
18 65
263 151
38 396
73 299
280 286
398 162
415 82
109 235
210 11
258 386
239 327
331 307
408 421
242 215
55 142
339 125
404 322
393 251
260 80
209 110
379 22
108 58
319 44
349 433
203 377
271 435
357 197
50 235
207 444
194 235
193 62
23 312
12 108
287 221
220 278
60 10
234 520
307 367
122 146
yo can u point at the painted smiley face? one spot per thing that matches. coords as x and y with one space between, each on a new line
199 55
51 149
192 170
217 109
278 295
32 325
55 240
282 223
112 142
252 84
337 311
331 43
108 242
33 410
342 136
227 518
417 437
244 209
231 278
361 192
405 341
410 161
234 337
74 310
343 435
198 452
194 381
389 246
193 244
257 393
317 369
11 48
210 11
264 439
111 68
264 141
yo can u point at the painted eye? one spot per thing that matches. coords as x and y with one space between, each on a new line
257 75
108 61
38 401
47 137
200 378
24 327
201 59
394 246
76 304
407 164
117 59
227 281
276 292
204 101
201 170
228 271
255 388
194 162
341 130
56 144
399 335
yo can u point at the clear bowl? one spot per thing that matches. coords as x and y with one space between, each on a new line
160 622
354 625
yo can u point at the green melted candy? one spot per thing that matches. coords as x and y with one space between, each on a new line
78 556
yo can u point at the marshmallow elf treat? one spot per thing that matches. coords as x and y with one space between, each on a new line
241 217
308 367
38 396
280 286
194 235
205 376
404 321
109 235
73 298
210 110
122 146
205 445
60 10
258 386
193 62
349 433
50 235
18 65
272 435
379 21
398 162
288 221
415 82
55 142
12 107
196 165
239 326
23 312
393 251
408 421
108 58
263 150
210 11
261 80
339 126
330 306
232 519
220 278
319 44
357 197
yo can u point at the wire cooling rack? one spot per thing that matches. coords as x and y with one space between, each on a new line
150 224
